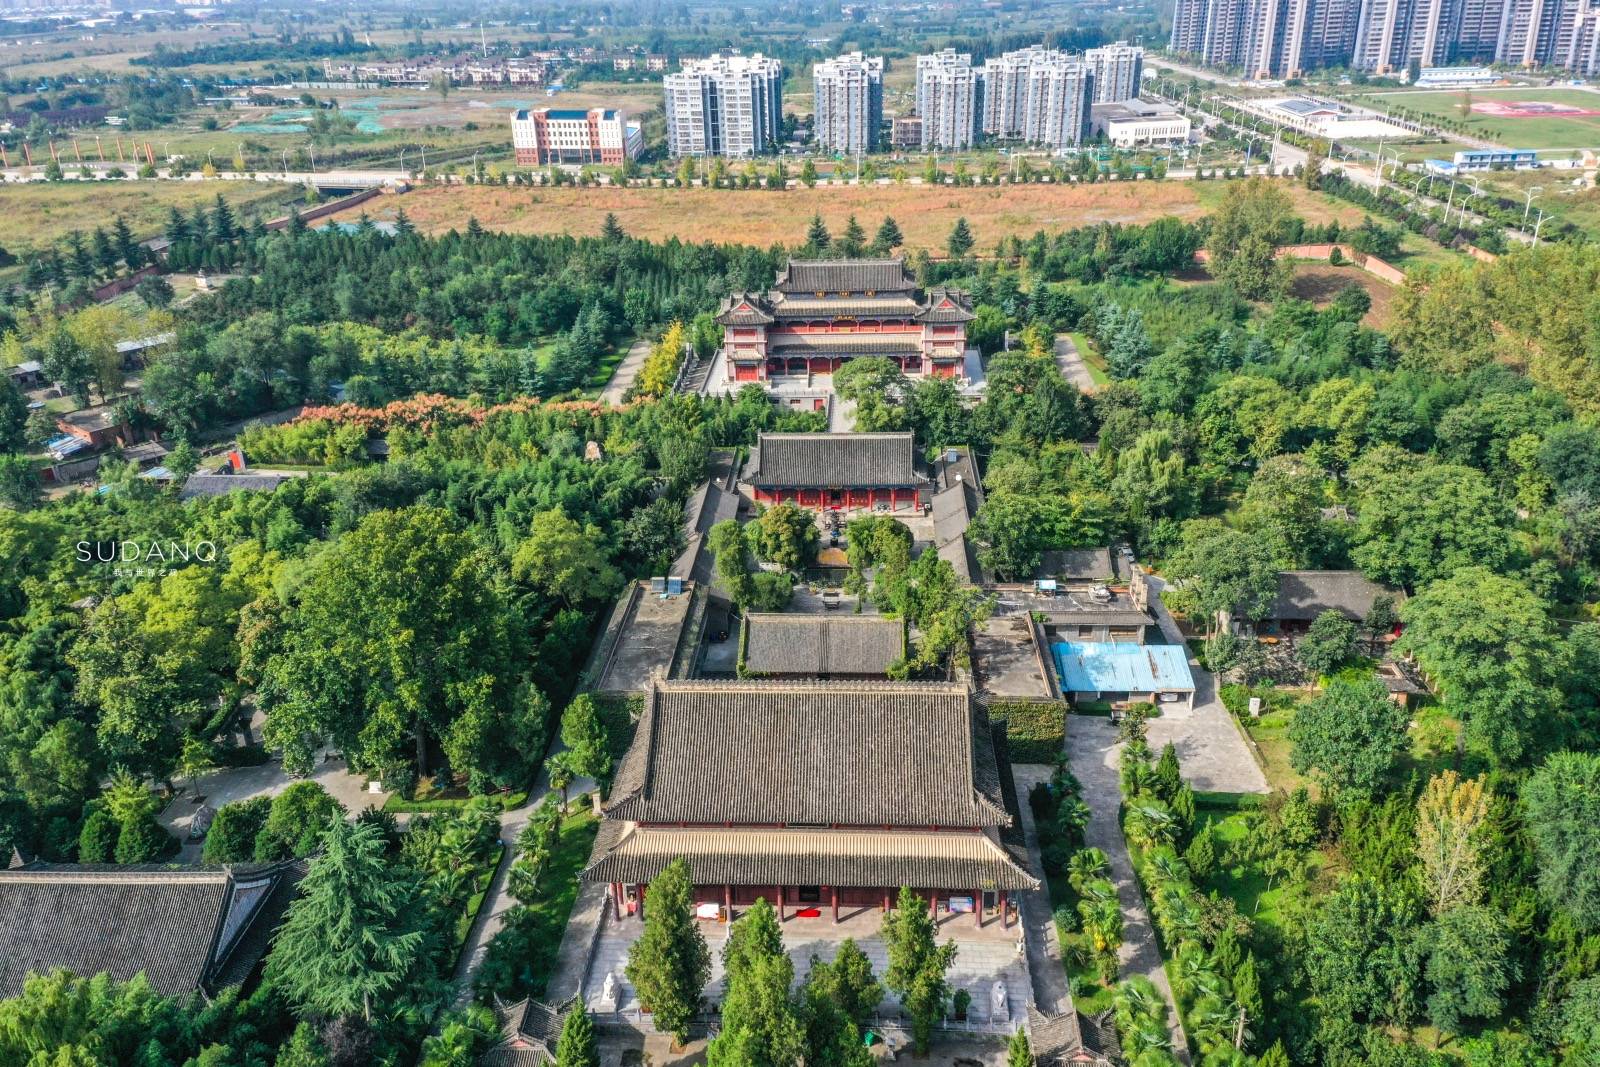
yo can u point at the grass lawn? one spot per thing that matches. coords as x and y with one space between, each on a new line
40 213
605 369
1271 735
1513 131
1244 883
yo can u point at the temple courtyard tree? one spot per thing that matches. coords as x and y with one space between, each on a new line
670 964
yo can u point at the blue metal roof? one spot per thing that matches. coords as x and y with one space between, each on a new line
1111 667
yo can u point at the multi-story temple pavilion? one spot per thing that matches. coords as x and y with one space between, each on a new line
819 797
837 471
824 313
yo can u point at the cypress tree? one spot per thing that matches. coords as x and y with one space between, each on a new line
576 1046
669 965
917 966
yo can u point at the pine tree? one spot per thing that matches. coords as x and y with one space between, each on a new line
1018 1054
584 734
761 1024
1247 990
960 241
576 1047
177 230
402 224
817 239
889 237
854 240
130 251
224 225
669 964
199 224
355 930
1168 777
1275 1056
1201 855
917 966
611 230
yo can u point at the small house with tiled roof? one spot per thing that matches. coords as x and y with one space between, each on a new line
820 314
818 797
529 1032
1071 1039
186 929
837 471
780 645
1303 595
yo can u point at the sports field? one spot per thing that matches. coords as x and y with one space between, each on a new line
1544 118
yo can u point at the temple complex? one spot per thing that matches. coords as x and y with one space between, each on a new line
837 471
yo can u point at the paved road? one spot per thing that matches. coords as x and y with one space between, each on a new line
1051 993
1073 368
622 378
1093 752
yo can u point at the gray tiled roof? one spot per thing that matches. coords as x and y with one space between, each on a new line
845 858
834 753
220 484
1077 564
945 305
1069 1038
185 928
833 460
845 276
743 309
818 645
529 1030
1303 595
807 307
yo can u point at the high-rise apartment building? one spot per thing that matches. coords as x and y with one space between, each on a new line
849 102
948 99
1286 38
727 105
1037 95
1117 70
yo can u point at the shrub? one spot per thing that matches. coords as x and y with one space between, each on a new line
98 838
233 832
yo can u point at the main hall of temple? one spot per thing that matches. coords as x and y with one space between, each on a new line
822 313
821 797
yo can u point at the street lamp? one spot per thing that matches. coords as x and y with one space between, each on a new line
1533 191
1537 227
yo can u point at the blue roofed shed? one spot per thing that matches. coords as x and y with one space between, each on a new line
1118 672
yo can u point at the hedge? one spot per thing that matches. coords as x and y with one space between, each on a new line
1036 730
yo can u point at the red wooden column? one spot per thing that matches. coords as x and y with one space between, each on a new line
886 902
616 898
780 903
835 904
977 907
933 905
1005 916
727 901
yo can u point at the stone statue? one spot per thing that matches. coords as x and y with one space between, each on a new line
997 1002
608 991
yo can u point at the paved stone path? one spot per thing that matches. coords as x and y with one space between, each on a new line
622 378
1051 993
1093 750
1073 368
497 902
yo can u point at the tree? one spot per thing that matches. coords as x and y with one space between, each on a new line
1245 231
1350 735
583 732
761 1026
917 966
1451 818
1223 572
1358 957
295 821
1018 1054
232 836
1494 666
66 361
401 637
1469 966
848 982
354 932
576 1046
560 557
785 534
1419 520
817 238
1562 799
888 237
853 242
669 964
19 483
960 241
1329 643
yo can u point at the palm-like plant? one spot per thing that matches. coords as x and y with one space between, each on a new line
1150 824
1087 865
1211 1023
1096 890
1072 817
1194 975
1164 865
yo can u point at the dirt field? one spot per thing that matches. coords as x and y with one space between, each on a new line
1320 283
762 218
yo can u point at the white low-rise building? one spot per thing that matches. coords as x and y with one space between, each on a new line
1140 122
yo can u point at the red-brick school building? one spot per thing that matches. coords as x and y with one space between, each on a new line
823 798
822 314
837 471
